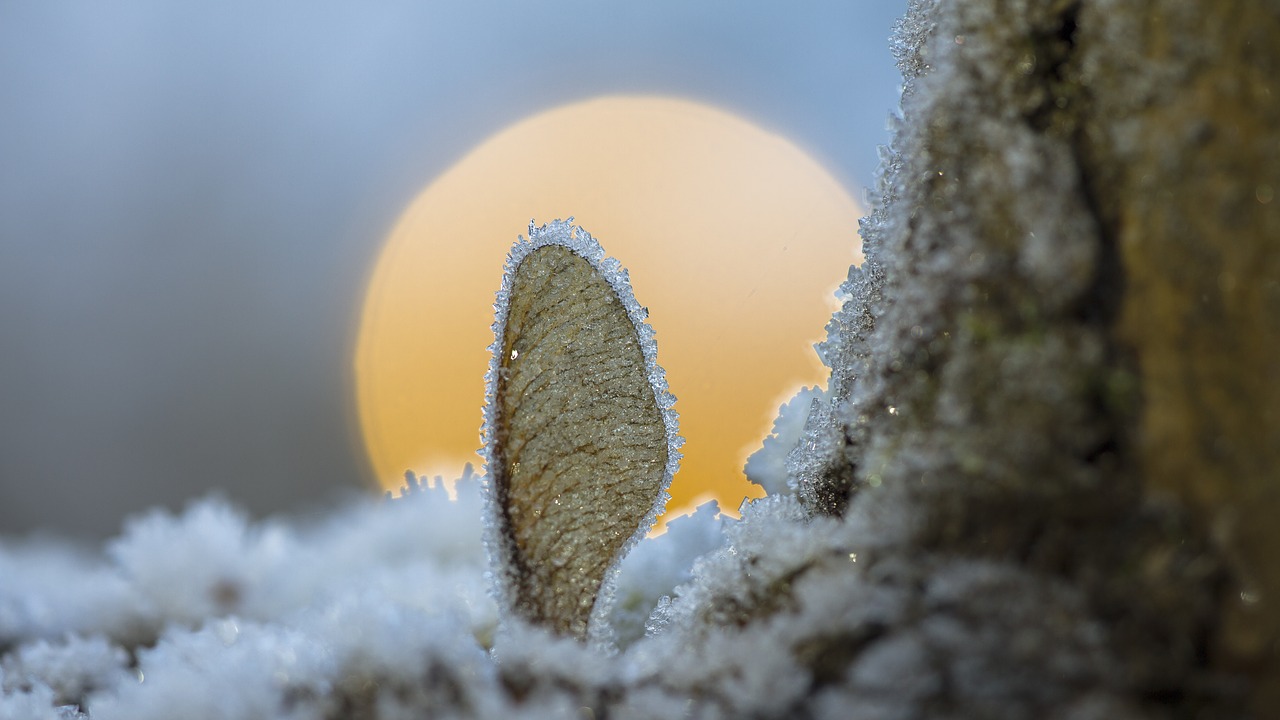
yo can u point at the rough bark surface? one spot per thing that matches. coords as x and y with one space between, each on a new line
1184 154
1063 348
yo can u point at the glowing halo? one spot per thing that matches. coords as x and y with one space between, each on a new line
734 237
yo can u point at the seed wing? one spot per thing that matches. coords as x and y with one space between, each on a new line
578 443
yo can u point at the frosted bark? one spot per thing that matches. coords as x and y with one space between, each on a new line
1185 152
1061 351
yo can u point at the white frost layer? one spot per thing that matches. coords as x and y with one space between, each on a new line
383 613
658 565
206 614
211 562
767 467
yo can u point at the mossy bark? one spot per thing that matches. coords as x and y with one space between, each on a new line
1187 161
1064 349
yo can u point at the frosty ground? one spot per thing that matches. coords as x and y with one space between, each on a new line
382 609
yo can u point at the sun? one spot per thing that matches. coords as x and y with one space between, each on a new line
734 237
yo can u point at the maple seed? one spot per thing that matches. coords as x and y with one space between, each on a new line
577 441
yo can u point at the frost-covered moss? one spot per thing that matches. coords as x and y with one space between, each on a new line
986 401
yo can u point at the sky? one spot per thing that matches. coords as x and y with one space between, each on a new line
193 196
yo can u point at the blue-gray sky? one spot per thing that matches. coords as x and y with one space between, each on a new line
192 196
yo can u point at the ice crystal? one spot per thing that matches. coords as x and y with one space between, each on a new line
658 565
71 668
767 467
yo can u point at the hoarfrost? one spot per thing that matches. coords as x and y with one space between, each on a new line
380 610
767 467
238 572
49 591
34 701
922 567
71 668
658 565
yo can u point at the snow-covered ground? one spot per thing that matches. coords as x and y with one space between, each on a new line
381 607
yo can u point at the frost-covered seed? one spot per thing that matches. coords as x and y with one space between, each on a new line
580 440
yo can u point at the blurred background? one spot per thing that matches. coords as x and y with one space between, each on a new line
194 199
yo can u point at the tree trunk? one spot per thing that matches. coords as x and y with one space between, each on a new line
1064 349
1185 143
